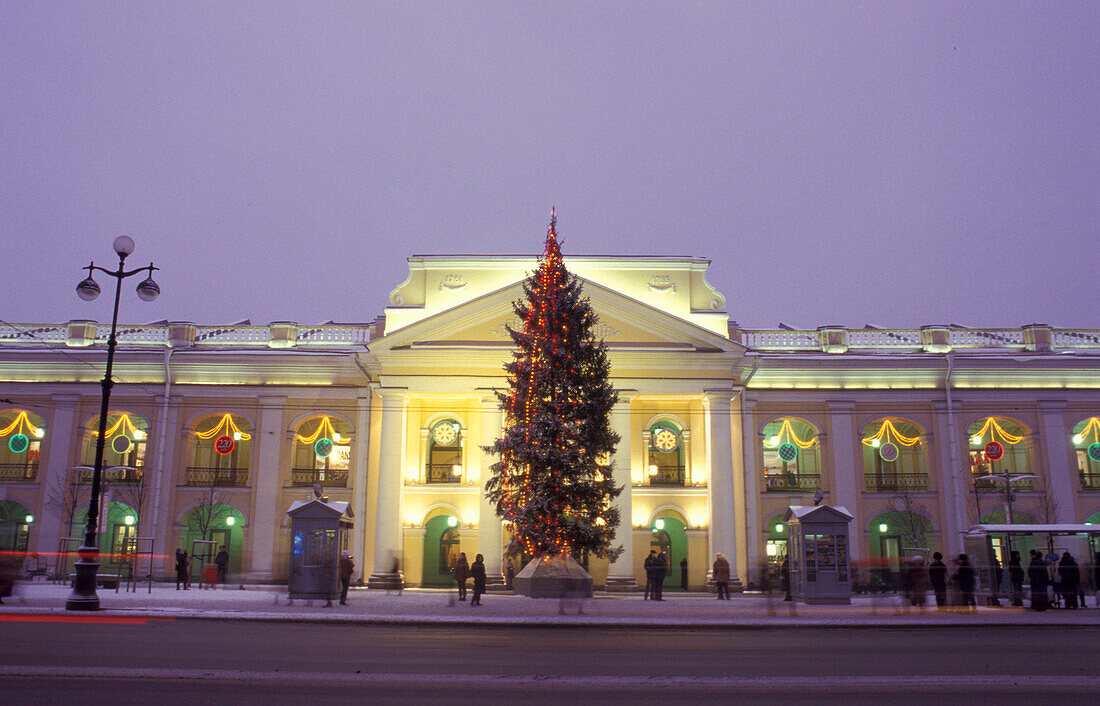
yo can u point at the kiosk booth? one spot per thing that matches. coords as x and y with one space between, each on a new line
319 531
818 554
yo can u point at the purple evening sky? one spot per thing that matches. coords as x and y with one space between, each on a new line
886 163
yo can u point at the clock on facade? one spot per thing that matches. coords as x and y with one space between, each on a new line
665 440
445 433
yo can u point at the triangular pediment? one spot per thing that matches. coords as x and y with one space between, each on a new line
623 323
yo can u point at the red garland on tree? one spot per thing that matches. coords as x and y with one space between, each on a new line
553 482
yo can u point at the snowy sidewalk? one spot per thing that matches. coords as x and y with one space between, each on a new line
439 607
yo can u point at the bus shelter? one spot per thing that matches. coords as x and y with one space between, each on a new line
990 546
319 531
818 553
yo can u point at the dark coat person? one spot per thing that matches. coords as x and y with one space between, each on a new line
1037 575
965 581
785 578
477 571
660 570
222 562
1069 577
347 567
650 565
937 579
461 573
684 573
1016 578
721 572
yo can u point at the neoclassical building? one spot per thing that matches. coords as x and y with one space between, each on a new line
214 431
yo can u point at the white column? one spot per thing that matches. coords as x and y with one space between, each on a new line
387 529
956 492
620 575
489 536
847 478
160 502
58 446
265 481
749 443
720 472
359 489
1058 479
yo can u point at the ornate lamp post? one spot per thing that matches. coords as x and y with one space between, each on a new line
1009 479
84 595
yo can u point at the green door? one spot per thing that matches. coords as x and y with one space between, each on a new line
440 551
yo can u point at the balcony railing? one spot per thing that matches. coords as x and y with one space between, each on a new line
218 477
990 485
113 475
1090 481
309 476
18 472
442 473
666 475
792 481
895 482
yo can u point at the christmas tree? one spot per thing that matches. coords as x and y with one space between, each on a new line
553 483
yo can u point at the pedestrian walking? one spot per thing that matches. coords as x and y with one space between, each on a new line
659 577
721 572
509 574
1016 578
461 574
937 578
477 571
222 562
650 567
183 563
347 567
1037 576
785 578
684 574
965 581
1069 576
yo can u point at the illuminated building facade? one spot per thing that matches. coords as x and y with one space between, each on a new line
215 430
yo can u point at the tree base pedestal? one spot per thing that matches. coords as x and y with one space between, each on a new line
553 577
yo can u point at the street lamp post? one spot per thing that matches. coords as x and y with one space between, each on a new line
1008 478
84 595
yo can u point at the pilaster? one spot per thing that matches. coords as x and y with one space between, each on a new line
56 474
620 575
847 479
720 491
1057 454
387 533
359 489
489 535
264 479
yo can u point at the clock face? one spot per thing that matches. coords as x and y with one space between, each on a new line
445 433
665 440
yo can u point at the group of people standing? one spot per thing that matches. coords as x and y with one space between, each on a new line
463 571
656 566
183 567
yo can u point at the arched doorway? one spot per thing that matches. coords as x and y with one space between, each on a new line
218 523
15 526
669 536
441 547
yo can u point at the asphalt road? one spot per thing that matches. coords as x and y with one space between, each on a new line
199 661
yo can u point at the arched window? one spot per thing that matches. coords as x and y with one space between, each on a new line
999 445
322 453
666 454
444 452
220 450
893 456
124 443
21 434
791 461
1086 445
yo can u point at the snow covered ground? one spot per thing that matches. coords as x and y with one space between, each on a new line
439 606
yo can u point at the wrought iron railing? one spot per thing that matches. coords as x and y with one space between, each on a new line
1090 481
894 482
792 481
442 473
218 477
112 475
989 485
309 476
18 472
666 475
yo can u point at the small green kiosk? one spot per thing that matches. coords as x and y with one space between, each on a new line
319 531
818 551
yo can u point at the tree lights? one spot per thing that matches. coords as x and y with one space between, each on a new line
549 484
